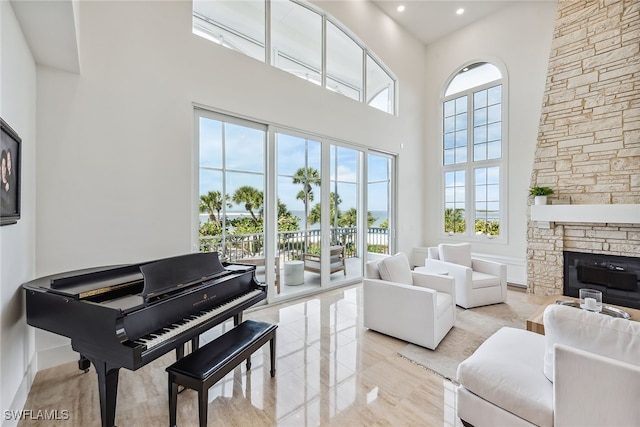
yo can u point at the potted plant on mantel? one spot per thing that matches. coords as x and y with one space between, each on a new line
540 194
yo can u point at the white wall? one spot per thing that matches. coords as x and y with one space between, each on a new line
115 142
17 242
519 37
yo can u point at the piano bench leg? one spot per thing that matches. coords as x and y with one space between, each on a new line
203 402
248 363
272 355
173 402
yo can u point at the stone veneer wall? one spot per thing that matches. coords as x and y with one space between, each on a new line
588 146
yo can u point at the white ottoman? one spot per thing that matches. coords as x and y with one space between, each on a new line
293 273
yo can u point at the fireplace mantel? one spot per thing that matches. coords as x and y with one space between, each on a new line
611 213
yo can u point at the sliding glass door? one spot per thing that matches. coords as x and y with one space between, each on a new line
307 211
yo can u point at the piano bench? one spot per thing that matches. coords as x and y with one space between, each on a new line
210 363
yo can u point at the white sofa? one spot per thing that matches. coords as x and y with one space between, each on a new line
584 372
478 282
414 307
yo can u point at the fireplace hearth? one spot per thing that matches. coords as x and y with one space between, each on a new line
617 277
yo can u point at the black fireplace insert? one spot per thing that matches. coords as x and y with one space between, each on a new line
617 277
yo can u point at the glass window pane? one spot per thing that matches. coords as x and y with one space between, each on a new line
494 95
238 25
461 121
449 141
493 175
210 180
480 99
479 152
494 113
494 132
494 150
449 195
210 143
479 134
344 63
380 87
449 124
449 108
493 192
296 40
461 104
449 157
244 148
461 155
461 139
480 117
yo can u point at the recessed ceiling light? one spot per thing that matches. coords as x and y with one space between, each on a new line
460 11
401 8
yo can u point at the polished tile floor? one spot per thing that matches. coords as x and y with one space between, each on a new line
331 371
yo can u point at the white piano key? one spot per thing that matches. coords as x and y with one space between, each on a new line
191 321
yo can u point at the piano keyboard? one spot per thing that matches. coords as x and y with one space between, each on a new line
158 337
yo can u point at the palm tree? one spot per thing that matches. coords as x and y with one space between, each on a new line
212 203
308 177
251 198
454 221
334 209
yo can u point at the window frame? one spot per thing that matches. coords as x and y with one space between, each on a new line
470 165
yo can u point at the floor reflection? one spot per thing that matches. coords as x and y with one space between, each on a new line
330 371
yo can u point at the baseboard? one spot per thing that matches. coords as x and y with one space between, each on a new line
55 356
11 416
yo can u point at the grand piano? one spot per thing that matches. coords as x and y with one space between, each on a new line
127 316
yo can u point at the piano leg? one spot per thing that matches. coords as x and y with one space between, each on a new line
237 319
108 389
84 364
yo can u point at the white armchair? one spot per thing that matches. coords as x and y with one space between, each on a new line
478 282
415 307
584 372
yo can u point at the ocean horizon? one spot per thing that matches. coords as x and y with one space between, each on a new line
380 216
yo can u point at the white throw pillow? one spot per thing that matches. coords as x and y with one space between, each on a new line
457 254
396 269
593 332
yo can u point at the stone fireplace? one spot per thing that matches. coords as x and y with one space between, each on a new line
588 147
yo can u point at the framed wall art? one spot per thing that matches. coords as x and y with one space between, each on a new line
10 175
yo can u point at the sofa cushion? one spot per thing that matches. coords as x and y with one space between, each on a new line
457 254
506 370
396 269
484 280
593 332
371 269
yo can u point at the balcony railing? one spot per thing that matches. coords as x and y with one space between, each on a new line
292 244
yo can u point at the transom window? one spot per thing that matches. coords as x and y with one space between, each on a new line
304 41
472 147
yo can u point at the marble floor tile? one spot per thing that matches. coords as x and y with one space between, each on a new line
331 371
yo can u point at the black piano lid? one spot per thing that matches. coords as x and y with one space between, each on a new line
76 283
173 273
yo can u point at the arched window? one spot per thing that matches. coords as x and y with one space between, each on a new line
472 148
304 41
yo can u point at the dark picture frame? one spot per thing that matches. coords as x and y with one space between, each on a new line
9 174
